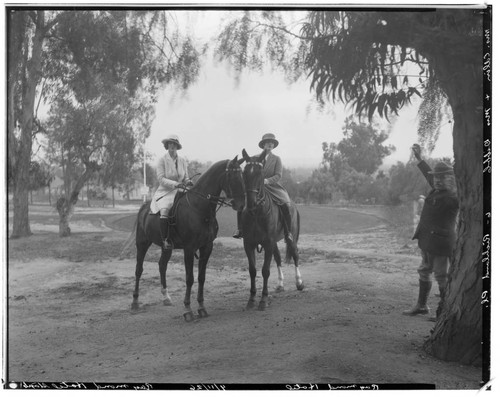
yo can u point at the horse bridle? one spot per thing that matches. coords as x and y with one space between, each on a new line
260 197
219 199
226 176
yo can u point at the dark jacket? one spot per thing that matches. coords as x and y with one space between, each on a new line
436 232
272 172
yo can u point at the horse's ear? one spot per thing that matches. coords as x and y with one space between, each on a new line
262 156
240 161
245 155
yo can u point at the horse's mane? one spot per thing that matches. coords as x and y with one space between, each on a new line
211 170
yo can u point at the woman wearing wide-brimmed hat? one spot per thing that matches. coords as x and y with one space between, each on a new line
435 232
172 173
272 173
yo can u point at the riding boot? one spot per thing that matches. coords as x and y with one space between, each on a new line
423 294
165 234
239 232
287 222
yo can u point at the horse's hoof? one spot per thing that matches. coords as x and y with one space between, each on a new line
167 302
300 286
189 317
250 305
280 288
263 305
134 306
202 313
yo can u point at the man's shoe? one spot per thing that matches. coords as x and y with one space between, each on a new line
238 234
289 237
417 310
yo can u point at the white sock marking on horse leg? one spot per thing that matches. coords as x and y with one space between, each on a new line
166 297
280 277
298 277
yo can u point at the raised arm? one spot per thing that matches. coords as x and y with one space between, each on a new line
422 165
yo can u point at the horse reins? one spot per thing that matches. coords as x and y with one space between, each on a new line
260 197
219 200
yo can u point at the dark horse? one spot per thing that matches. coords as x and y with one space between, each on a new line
262 224
195 228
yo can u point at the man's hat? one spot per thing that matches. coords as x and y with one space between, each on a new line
174 139
268 137
442 168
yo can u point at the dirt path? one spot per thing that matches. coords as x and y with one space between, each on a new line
71 321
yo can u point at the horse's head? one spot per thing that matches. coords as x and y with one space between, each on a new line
233 184
253 178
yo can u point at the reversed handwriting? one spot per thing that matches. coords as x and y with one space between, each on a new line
486 256
487 65
484 298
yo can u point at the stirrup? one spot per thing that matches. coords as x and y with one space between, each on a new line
289 237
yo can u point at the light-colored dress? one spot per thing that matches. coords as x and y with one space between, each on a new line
169 175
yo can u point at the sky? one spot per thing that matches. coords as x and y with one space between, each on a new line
217 118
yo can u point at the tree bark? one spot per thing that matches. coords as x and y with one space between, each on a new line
458 334
65 211
66 204
20 224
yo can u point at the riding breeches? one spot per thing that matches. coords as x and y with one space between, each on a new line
434 264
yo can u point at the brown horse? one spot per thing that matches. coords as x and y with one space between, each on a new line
195 228
262 224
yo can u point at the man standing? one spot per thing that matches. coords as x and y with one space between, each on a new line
435 232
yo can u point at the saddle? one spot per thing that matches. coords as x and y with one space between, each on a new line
172 221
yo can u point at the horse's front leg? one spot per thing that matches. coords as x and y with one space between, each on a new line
205 253
277 258
250 251
188 265
266 271
162 264
142 249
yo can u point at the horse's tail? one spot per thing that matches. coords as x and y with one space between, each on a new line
131 238
291 247
128 244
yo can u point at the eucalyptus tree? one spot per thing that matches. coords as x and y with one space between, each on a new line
70 53
87 137
378 62
362 148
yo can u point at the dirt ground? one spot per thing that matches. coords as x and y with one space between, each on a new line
69 317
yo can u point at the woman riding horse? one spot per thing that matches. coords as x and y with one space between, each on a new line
171 171
194 231
272 175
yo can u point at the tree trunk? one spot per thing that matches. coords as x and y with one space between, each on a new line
20 224
458 334
113 196
66 205
64 208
